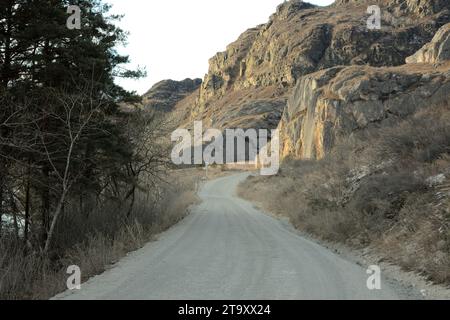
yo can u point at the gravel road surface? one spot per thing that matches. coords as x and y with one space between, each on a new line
227 249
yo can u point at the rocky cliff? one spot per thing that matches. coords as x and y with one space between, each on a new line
249 83
331 104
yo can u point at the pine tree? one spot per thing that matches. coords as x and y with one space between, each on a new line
47 68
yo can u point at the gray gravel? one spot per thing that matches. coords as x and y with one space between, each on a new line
227 249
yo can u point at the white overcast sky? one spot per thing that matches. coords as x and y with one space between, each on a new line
174 39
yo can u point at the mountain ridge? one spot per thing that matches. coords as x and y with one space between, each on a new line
257 73
253 82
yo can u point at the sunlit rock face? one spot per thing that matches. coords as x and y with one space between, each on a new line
248 84
330 105
437 51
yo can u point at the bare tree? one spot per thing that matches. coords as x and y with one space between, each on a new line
73 115
147 131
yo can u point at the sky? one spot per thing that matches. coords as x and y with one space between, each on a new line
174 39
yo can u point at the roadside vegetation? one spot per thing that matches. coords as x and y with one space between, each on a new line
93 242
82 180
387 188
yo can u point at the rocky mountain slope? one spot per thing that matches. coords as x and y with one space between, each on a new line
248 85
164 95
331 104
319 74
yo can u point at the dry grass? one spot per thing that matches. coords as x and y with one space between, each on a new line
93 243
32 276
373 191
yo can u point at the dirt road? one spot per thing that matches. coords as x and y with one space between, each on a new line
227 249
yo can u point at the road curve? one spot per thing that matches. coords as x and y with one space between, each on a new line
227 249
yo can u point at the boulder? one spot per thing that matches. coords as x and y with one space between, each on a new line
436 51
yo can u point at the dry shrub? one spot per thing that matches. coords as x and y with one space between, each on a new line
425 137
93 241
382 196
24 276
419 240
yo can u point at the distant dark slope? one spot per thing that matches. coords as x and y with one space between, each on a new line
164 95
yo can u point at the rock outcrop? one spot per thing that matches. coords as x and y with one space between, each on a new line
264 64
438 50
329 105
421 8
319 74
164 95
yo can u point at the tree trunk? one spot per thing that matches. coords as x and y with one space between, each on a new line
81 202
1 202
45 205
5 74
133 198
6 65
3 175
27 206
58 211
14 214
